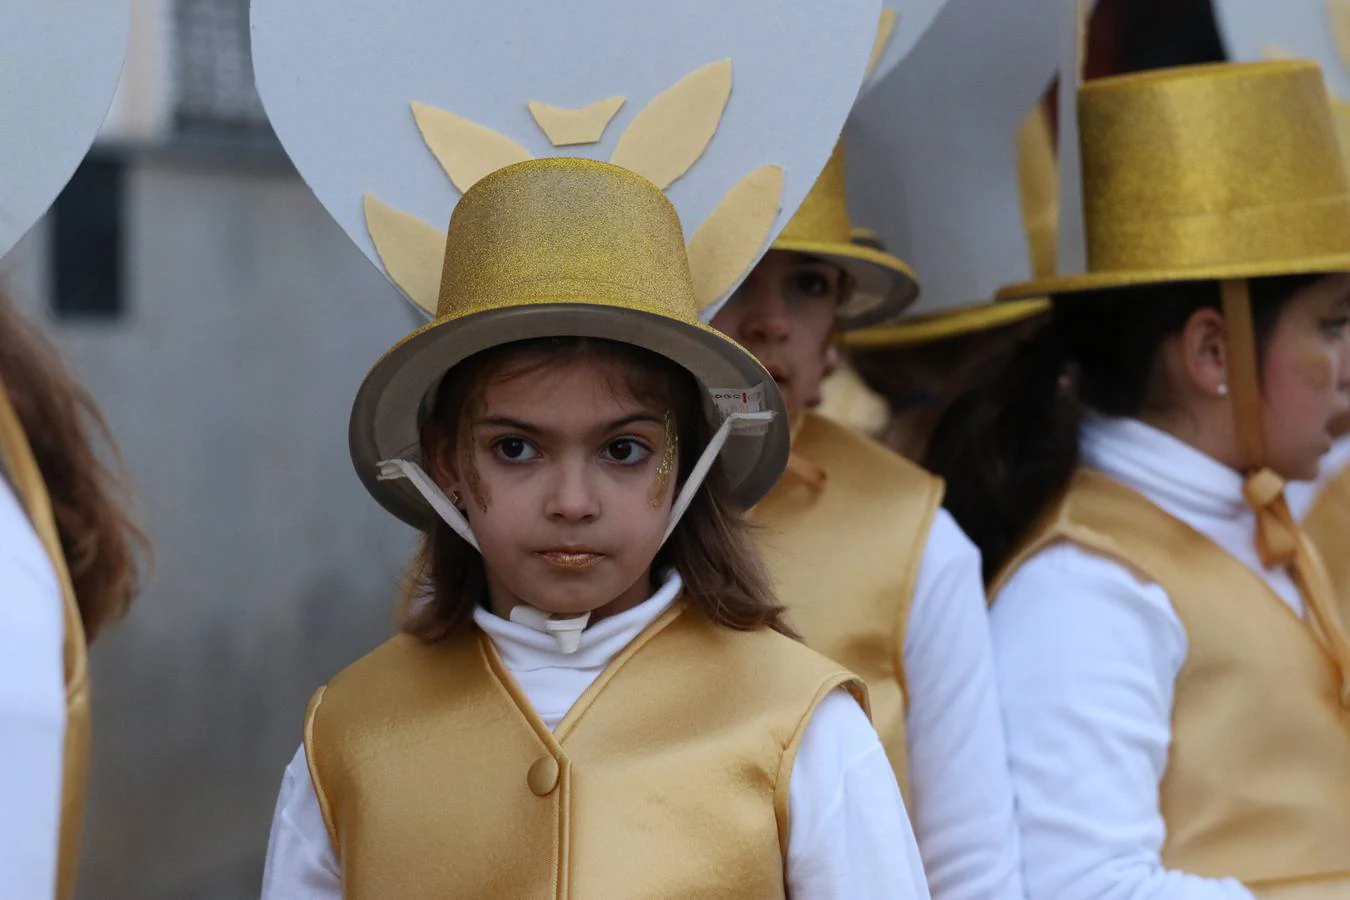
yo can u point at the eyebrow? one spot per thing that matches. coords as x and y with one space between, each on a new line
528 428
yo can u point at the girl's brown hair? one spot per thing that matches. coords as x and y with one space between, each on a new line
712 547
100 541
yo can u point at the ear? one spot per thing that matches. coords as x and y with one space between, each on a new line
1204 352
443 463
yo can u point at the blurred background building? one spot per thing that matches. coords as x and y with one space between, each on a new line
223 322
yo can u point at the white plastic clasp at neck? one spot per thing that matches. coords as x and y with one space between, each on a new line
566 632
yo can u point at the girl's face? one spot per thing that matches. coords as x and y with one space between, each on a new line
567 482
1306 377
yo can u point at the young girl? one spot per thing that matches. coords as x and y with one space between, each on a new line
1174 675
595 693
579 695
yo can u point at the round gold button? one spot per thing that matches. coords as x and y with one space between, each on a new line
543 777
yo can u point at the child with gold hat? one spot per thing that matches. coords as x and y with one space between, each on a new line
1174 674
594 694
1314 29
874 573
55 498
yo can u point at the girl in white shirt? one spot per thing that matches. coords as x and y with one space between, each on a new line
577 551
1134 746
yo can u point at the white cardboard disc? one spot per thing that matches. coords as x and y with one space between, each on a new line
59 65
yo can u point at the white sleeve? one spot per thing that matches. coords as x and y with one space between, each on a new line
32 707
1087 657
849 837
960 791
301 864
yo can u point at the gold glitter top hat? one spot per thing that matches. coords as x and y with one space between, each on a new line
883 285
561 246
1213 172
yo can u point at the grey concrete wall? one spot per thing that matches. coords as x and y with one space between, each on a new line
228 384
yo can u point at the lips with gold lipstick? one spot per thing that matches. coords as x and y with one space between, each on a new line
570 559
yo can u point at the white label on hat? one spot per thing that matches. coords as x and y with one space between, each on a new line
740 402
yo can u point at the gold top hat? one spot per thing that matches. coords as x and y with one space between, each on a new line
1213 172
562 246
883 284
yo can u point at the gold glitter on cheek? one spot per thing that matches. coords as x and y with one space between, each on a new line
468 454
669 454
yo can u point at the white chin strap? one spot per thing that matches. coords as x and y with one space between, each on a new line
740 422
392 469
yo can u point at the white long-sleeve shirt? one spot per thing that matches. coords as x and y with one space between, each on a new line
32 707
960 790
850 836
1087 656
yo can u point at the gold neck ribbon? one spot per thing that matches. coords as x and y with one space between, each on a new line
1279 539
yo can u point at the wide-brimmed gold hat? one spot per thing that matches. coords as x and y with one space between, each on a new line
883 284
1214 172
943 324
562 246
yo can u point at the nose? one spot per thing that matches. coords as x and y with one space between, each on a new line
572 497
767 319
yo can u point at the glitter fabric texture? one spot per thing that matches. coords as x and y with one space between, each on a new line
669 454
1220 171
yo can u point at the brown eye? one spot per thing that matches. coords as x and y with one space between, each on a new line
626 451
812 283
515 449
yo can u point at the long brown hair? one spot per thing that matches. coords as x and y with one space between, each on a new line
103 546
1008 447
712 548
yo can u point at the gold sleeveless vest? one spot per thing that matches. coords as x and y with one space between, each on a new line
668 778
844 555
20 469
1328 525
1258 776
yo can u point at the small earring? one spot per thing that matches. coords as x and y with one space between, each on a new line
1223 390
455 499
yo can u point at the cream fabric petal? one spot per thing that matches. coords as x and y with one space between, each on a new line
885 31
466 150
729 241
567 127
674 129
410 249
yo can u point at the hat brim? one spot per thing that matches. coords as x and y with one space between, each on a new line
938 326
884 286
1091 282
386 416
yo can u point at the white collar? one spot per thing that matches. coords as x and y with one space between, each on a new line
1182 480
523 648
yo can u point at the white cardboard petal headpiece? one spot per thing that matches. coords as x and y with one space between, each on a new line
696 95
903 25
932 147
59 65
1309 29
